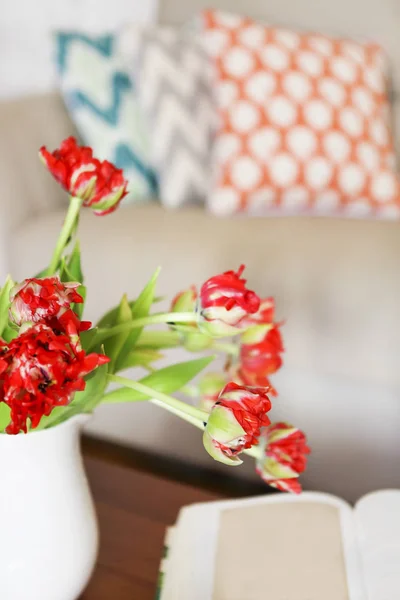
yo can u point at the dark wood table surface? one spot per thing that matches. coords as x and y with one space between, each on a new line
134 507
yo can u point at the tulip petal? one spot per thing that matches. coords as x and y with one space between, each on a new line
217 453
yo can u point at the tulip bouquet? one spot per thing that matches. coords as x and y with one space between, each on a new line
54 365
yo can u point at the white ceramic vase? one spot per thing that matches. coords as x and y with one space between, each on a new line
48 530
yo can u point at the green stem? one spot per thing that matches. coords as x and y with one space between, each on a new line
67 228
180 406
254 452
232 349
185 317
180 414
188 413
159 339
107 332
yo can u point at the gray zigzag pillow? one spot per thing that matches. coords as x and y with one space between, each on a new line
174 86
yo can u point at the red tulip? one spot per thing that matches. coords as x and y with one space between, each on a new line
260 350
284 456
99 185
224 302
235 422
291 486
35 300
265 314
48 301
40 370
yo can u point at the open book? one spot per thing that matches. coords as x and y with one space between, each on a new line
281 547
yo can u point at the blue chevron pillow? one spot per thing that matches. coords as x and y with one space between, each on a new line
101 98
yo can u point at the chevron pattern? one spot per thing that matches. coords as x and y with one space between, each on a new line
103 44
120 84
100 96
175 93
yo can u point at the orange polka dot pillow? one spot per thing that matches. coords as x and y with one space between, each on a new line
304 123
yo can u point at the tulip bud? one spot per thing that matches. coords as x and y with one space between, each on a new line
284 456
110 189
210 388
235 421
260 353
255 334
224 438
252 378
36 299
185 301
266 334
100 185
265 314
290 486
224 301
83 179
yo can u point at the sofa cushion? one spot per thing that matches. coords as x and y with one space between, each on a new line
305 125
374 20
100 95
174 87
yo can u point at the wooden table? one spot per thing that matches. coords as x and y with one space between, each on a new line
134 508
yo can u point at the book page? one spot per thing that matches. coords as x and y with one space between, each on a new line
305 546
377 517
291 551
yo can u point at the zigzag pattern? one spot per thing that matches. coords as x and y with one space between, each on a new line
125 159
175 90
105 115
103 44
120 84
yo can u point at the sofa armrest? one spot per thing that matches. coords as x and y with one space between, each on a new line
26 188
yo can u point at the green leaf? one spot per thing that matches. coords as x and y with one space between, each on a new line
41 274
74 264
138 358
167 380
74 270
87 338
56 416
114 344
5 417
5 303
65 274
141 309
109 332
79 308
158 339
94 391
9 333
108 320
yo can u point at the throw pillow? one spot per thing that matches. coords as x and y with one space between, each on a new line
100 96
304 123
174 86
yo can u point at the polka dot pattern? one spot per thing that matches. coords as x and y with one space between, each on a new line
304 122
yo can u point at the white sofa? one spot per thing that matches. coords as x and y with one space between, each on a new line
336 281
